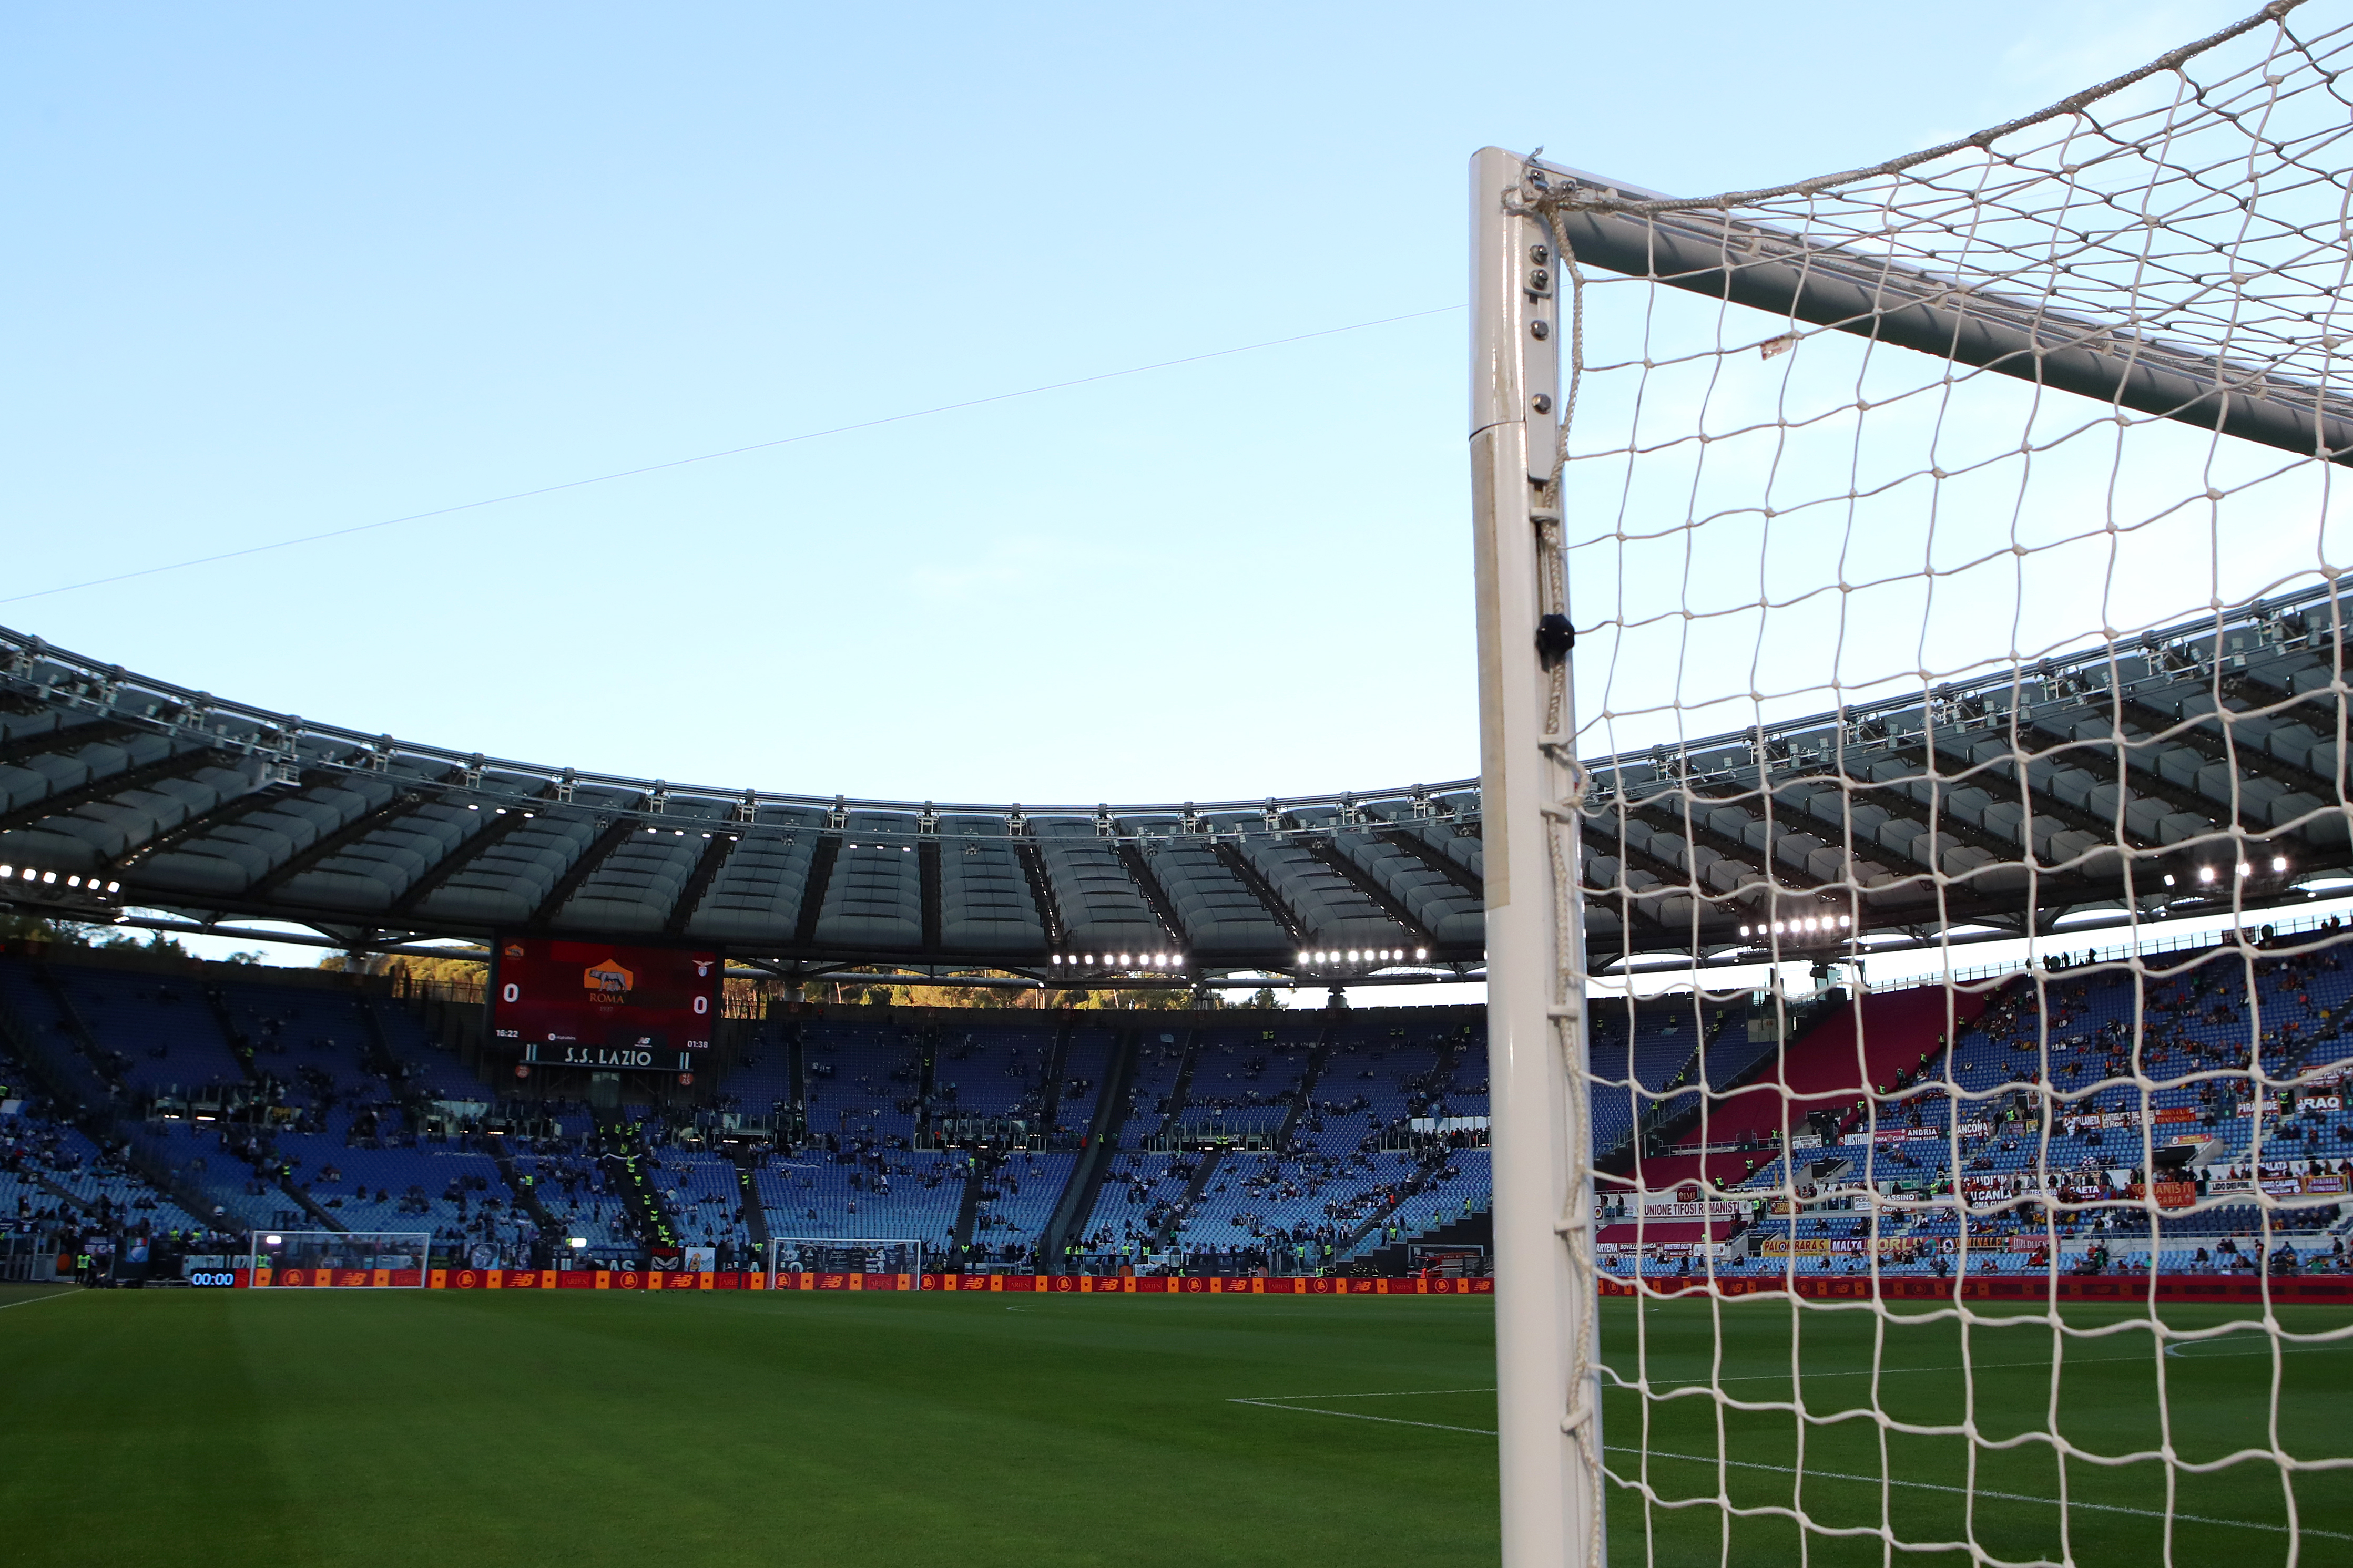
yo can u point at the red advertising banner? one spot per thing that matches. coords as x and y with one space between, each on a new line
348 1278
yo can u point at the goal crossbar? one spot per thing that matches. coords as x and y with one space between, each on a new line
1783 274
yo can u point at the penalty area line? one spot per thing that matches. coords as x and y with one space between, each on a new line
1986 1492
30 1299
1793 1470
1360 1415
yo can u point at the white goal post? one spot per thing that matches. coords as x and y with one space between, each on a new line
1547 1381
843 1255
359 1259
1951 550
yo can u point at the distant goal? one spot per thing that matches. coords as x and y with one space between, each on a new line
837 1255
354 1260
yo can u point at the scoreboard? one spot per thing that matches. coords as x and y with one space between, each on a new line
603 1005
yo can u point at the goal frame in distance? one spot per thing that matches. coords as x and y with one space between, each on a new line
354 1260
913 1252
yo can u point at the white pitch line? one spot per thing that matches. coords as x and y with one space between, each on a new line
1985 1492
1390 1393
1792 1470
30 1299
1357 1415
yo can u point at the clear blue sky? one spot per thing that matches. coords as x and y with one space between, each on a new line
273 270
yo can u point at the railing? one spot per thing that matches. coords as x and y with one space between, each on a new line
2142 947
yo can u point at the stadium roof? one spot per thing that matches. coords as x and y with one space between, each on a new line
2210 754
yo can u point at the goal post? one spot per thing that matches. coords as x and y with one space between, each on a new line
843 1255
1939 553
1547 1397
359 1259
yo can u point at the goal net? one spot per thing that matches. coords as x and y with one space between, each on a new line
358 1259
838 1254
1912 673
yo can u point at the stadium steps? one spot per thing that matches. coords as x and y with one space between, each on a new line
241 1045
751 1213
525 1190
1076 1206
1412 1184
1184 1084
79 1204
309 1205
70 1016
976 1177
796 1080
1476 1228
377 1054
1058 1054
1319 1057
625 1174
72 1079
1202 1173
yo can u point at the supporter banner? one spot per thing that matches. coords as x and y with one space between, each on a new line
1682 1208
1825 1245
2176 1113
2169 1194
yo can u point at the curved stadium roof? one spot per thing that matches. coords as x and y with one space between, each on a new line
2073 784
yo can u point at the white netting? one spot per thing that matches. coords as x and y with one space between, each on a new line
378 1258
841 1254
2026 629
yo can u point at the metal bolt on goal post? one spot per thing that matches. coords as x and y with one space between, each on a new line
1546 1345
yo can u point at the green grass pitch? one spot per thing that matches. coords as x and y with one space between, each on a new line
587 1428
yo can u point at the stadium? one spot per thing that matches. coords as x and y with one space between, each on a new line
1903 905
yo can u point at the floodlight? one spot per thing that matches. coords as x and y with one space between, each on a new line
2279 862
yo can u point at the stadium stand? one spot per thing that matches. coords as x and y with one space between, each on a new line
119 790
1237 1141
